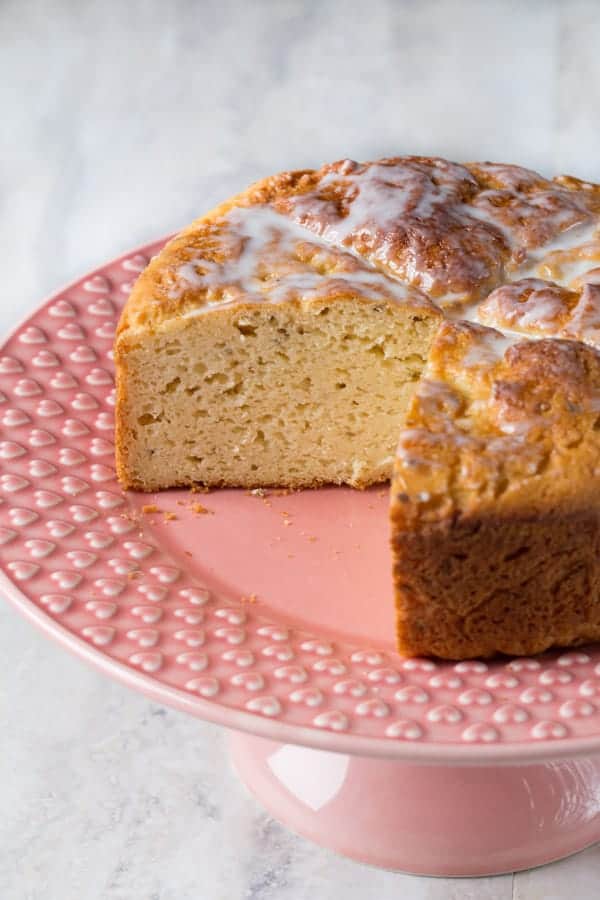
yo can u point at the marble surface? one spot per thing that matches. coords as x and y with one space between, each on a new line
120 122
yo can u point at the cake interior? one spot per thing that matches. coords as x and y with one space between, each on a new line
257 394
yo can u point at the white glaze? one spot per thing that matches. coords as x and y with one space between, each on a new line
542 313
257 241
252 237
584 322
575 251
576 236
489 348
383 196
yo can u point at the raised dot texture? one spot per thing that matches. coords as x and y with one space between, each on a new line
404 729
266 706
207 686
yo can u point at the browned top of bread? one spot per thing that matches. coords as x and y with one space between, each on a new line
535 307
498 424
253 254
398 228
451 230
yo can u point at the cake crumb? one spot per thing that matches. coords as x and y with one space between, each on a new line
251 598
258 492
150 508
287 522
188 553
169 516
312 538
200 510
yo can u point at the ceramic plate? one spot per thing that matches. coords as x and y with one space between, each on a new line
271 614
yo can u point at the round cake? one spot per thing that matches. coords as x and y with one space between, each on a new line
410 319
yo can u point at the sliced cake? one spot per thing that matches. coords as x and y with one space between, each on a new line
409 317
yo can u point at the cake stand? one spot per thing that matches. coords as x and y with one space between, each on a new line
270 614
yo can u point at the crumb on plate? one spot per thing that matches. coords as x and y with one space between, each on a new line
199 509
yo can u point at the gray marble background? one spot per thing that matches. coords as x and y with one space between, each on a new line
120 121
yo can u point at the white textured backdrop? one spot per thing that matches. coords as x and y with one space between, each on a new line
120 121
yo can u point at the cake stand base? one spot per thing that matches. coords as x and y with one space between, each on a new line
429 820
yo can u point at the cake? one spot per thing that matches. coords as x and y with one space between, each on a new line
410 319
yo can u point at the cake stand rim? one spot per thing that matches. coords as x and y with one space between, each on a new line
433 753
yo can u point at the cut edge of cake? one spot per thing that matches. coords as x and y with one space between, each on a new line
295 371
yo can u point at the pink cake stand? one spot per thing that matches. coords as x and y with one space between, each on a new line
271 615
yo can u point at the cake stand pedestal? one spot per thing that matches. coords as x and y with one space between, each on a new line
426 819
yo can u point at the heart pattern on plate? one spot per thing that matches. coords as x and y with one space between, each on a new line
207 687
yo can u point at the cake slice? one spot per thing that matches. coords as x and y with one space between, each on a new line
253 354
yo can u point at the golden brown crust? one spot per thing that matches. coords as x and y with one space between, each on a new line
516 584
533 209
492 427
244 252
540 308
496 497
445 229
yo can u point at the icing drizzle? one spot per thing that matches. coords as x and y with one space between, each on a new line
260 255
